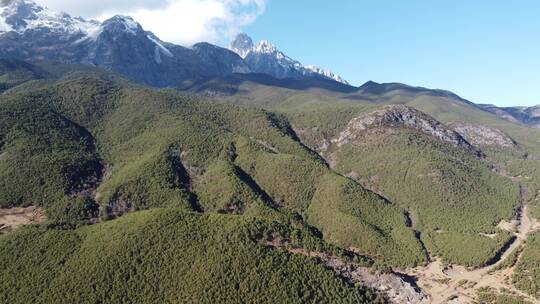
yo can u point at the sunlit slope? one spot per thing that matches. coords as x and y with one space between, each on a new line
307 104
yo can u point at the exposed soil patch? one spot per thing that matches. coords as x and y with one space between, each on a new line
14 218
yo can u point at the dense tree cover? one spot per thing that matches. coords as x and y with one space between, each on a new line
445 188
352 217
221 189
144 137
318 114
14 72
480 250
347 214
527 273
527 171
168 256
43 155
491 296
73 212
289 179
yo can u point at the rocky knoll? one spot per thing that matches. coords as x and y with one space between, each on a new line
484 136
401 116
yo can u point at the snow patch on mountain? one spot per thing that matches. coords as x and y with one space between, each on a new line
266 47
92 29
124 24
159 49
4 27
326 73
160 46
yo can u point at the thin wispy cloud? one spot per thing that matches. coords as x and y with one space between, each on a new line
180 21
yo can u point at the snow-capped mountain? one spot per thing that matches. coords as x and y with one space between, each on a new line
266 58
326 73
29 31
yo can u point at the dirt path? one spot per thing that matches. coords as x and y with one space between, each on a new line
16 217
457 284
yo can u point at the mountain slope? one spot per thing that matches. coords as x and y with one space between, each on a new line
437 178
158 149
15 72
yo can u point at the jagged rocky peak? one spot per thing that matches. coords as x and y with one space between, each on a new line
326 73
267 47
242 45
264 57
122 24
401 116
484 136
21 16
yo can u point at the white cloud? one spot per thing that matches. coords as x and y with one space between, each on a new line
180 21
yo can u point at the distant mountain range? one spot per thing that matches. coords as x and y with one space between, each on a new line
529 116
29 31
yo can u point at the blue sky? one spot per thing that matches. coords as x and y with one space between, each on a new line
486 51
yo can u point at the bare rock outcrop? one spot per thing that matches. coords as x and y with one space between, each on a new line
401 116
396 288
484 136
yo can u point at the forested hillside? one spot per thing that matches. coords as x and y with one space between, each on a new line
312 170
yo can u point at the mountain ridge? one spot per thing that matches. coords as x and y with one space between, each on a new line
265 58
528 116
